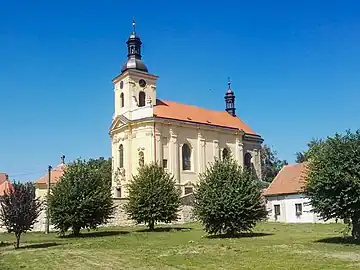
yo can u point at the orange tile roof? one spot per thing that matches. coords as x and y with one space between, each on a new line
188 113
5 187
56 173
3 177
290 180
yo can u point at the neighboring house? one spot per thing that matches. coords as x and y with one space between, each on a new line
42 183
182 138
5 184
285 199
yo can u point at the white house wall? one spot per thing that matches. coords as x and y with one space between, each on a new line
288 211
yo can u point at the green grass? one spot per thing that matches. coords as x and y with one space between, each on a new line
273 246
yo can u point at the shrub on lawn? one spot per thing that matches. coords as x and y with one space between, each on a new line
333 179
228 200
82 197
153 196
19 209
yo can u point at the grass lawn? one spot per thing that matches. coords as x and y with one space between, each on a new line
273 246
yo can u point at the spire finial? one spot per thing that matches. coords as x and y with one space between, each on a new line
229 82
62 159
133 25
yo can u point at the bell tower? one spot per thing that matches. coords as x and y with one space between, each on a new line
230 100
135 87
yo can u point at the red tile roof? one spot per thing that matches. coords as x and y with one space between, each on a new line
5 187
56 173
290 180
188 113
3 177
5 184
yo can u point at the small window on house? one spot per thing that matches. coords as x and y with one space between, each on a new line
298 209
122 100
277 209
188 190
142 97
164 163
118 192
141 158
225 153
121 156
186 157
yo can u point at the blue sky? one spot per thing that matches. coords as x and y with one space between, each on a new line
294 66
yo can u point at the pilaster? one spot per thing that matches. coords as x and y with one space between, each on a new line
216 149
239 153
174 155
158 147
201 153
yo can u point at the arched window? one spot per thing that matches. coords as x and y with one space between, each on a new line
122 100
225 153
141 158
121 156
247 161
186 157
142 97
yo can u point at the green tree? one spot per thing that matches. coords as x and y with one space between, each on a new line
333 179
227 199
304 156
153 196
82 197
270 164
19 209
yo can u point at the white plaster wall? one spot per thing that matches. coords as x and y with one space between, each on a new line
288 211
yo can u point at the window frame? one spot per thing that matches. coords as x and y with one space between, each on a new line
277 213
122 100
121 156
300 206
142 99
186 162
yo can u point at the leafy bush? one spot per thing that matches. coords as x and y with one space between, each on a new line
333 179
19 209
228 200
82 197
153 196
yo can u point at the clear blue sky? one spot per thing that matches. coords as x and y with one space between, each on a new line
294 66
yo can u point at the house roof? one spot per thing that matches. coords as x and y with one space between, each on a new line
189 113
5 184
3 177
290 180
56 173
5 187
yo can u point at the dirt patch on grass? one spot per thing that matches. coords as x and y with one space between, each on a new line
344 256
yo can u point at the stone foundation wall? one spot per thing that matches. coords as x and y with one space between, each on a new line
120 218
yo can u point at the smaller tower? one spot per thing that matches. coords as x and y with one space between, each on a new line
134 53
230 100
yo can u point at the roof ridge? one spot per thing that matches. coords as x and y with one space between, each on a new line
195 106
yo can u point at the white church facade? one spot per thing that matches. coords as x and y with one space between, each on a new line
184 139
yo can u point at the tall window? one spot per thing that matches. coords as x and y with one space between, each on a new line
186 157
142 99
121 156
122 100
298 209
247 161
225 153
141 158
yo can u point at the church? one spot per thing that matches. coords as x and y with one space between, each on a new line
184 139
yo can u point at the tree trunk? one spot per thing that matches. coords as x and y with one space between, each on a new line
76 231
355 228
17 240
151 225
